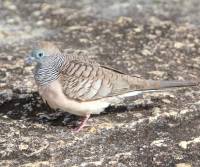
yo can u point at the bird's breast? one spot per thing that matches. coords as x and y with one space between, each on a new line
56 99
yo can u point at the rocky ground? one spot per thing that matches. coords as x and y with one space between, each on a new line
154 39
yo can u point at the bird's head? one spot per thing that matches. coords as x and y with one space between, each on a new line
42 52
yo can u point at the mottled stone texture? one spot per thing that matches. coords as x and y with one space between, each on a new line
154 39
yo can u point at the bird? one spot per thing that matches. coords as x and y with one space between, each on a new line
81 86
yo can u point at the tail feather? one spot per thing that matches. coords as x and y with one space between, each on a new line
169 84
159 86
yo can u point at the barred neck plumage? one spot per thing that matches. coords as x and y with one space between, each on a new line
49 69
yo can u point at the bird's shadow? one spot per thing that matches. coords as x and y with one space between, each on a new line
29 106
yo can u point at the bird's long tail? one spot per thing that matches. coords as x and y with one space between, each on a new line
153 85
158 86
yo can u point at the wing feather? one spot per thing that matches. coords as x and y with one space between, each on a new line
84 79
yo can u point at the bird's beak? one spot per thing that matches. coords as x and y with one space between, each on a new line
29 60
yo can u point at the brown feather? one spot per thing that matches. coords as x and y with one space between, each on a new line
94 81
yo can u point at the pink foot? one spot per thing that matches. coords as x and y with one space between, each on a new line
83 123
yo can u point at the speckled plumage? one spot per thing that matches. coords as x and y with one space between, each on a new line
81 86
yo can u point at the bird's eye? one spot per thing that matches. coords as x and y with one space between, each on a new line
40 54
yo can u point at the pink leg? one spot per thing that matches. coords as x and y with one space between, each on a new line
83 123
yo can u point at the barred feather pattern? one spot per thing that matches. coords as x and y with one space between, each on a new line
86 80
49 70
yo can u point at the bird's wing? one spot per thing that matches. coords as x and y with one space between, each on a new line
85 80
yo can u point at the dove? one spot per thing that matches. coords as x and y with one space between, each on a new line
76 84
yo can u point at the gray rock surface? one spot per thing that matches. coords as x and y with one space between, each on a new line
155 39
